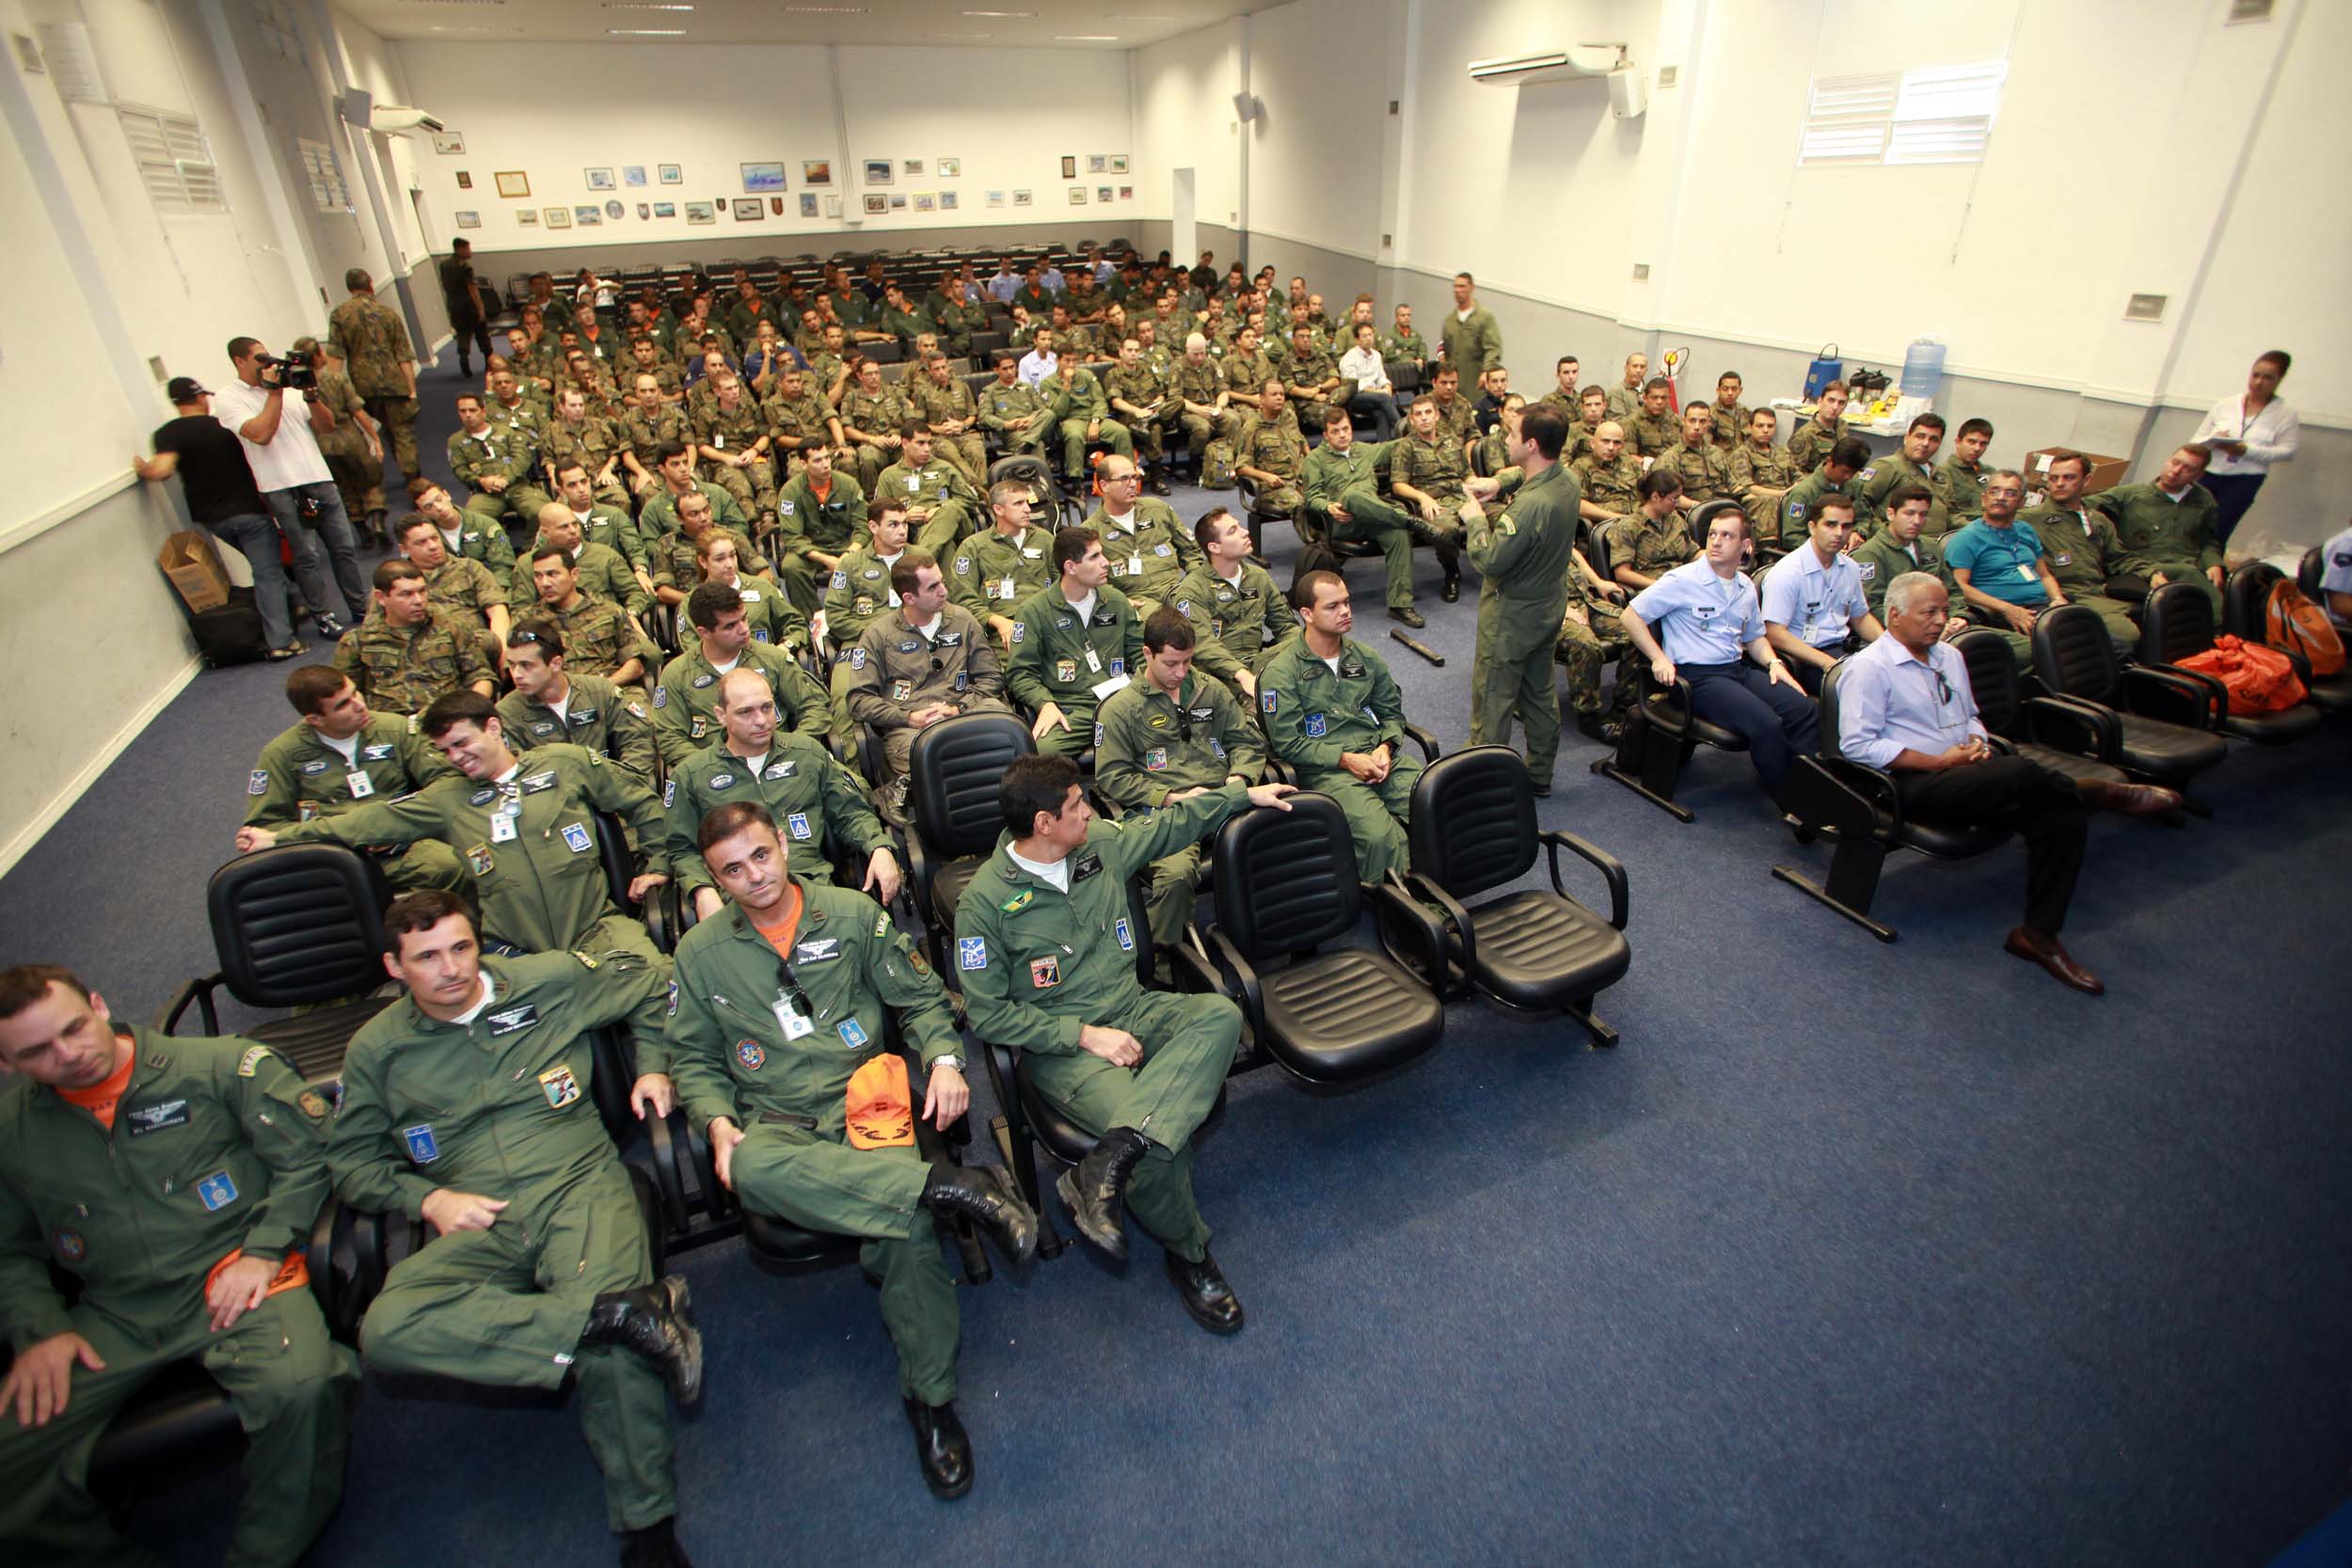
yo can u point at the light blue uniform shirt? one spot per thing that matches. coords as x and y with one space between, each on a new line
1701 618
1818 603
1002 287
2000 562
1889 701
1051 277
1036 366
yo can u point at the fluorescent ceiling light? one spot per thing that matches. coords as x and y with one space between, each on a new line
645 6
646 32
1006 15
1085 38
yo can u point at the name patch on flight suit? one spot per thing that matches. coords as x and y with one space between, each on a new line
560 1087
781 771
818 950
164 1114
316 766
1086 864
508 1021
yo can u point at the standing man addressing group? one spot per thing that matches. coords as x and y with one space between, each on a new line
1471 341
1524 558
296 485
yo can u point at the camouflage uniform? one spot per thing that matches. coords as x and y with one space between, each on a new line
466 589
1650 548
1653 435
754 487
592 444
1275 447
401 669
1705 472
883 413
358 475
797 424
952 404
1731 426
598 637
1202 383
895 670
941 502
1607 487
373 344
1144 387
1754 471
1809 444
601 570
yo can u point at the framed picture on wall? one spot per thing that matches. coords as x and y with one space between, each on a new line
1097 162
947 201
527 216
1102 194
447 142
898 201
833 206
614 211
925 201
1069 166
949 168
514 182
701 212
817 171
808 204
644 211
1126 192
1024 198
877 205
469 220
464 180
1077 195
996 198
878 171
775 206
599 179
587 217
911 167
665 209
747 209
763 177
632 174
559 217
1119 162
670 174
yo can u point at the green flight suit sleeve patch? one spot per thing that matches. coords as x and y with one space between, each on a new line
252 1060
585 961
313 1104
1504 526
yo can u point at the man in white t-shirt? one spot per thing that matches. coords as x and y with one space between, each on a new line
281 449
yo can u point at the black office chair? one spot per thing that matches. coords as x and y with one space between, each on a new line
1473 830
297 926
2072 738
1285 886
658 911
2246 612
2176 622
1833 794
2168 721
951 805
1047 503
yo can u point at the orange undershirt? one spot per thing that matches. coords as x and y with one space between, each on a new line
780 935
822 491
100 1100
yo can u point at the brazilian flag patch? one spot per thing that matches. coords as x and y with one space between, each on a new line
1020 901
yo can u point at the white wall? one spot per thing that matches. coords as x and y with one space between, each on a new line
1185 120
763 103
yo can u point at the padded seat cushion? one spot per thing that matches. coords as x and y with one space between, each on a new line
1536 950
313 1043
1062 1137
2167 751
1705 732
2274 729
2075 767
1949 841
2332 693
779 1240
948 885
1346 1015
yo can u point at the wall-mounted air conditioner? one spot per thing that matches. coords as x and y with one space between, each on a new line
1549 64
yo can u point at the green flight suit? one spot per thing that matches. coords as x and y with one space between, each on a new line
1055 659
505 453
602 571
1472 344
806 522
939 501
795 1161
1409 347
480 538
1796 506
503 1107
1038 964
299 776
1524 558
857 592
1877 482
2082 552
1017 415
991 573
818 805
612 528
401 669
895 669
1350 481
1153 745
659 515
218 1146
2160 534
1311 714
1149 553
597 717
1811 442
1078 402
1236 626
1755 471
1961 485
686 700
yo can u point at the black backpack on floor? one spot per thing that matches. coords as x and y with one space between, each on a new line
231 634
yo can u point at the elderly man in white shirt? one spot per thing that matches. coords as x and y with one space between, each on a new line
1375 394
1905 706
2248 434
283 452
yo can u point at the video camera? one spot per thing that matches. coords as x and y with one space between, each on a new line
294 375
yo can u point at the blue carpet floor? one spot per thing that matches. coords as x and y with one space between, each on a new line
1851 1254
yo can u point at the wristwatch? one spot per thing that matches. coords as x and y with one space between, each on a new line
951 1059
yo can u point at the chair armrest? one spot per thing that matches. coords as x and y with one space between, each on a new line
659 910
1672 717
1457 923
1607 863
1832 792
1240 983
1422 738
199 991
1389 899
2168 692
2070 724
666 1137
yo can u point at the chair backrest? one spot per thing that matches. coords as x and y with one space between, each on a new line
1826 701
1405 377
1474 820
612 853
952 773
890 353
1993 677
1286 880
2072 655
2309 571
2175 621
300 924
2246 600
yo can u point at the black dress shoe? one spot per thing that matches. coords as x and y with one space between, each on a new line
655 1547
651 1320
1450 591
985 1193
1202 1289
1407 614
941 1446
1159 483
1096 1187
1540 788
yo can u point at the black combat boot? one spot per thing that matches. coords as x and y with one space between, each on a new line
651 1320
1095 1189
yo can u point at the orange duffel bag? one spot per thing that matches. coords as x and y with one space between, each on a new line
2259 679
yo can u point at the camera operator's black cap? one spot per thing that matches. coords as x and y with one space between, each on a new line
185 388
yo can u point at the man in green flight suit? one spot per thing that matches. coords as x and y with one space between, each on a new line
1341 728
819 514
686 701
1237 611
2168 526
1045 948
993 572
177 1180
940 504
1839 472
2084 550
1147 544
1902 546
1913 464
821 803
497 464
341 754
1344 488
1074 643
1472 340
1012 410
549 703
1168 737
1524 557
1083 414
468 1106
778 1032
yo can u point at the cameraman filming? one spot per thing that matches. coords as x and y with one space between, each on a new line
284 455
222 501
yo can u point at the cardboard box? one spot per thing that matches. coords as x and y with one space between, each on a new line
189 559
2105 472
